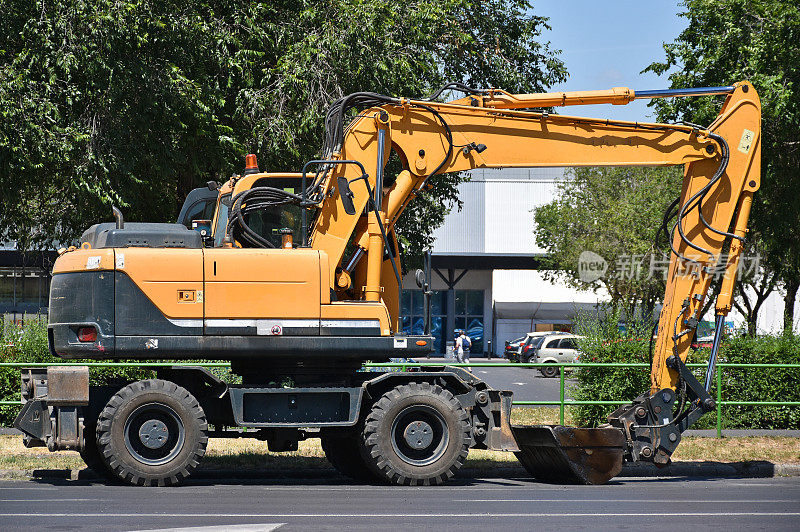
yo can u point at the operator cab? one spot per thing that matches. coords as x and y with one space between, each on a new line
269 222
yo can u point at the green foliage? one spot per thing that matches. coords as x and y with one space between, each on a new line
606 343
761 384
134 103
614 212
19 344
756 40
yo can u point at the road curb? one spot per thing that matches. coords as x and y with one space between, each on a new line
759 469
677 469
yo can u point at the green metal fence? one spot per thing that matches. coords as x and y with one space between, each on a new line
562 401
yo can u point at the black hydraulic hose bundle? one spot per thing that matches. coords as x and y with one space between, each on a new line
252 200
335 130
337 114
696 201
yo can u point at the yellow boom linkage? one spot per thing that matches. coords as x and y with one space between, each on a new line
729 147
496 129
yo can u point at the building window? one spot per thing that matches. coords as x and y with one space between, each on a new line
412 312
468 314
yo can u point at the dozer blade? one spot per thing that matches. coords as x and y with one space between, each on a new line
555 453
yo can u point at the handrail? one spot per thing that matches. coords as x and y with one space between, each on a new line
562 402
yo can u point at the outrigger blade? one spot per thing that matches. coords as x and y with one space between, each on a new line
555 453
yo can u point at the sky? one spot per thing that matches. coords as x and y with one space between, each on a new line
606 44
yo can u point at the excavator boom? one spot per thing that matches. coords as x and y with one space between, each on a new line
490 129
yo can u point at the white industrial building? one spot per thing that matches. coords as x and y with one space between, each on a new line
486 276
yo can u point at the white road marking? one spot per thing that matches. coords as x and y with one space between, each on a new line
265 527
2 488
49 500
520 383
765 484
418 515
664 500
372 489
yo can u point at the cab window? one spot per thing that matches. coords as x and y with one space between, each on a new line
222 219
201 210
269 222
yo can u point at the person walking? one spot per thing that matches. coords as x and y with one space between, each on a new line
466 345
458 348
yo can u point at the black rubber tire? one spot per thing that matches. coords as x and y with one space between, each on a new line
155 394
549 372
380 452
344 454
91 454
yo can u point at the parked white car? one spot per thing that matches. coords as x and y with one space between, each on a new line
558 348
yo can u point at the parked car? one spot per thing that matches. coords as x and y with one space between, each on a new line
514 348
556 349
527 352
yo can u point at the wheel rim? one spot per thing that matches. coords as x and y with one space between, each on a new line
154 434
549 372
419 435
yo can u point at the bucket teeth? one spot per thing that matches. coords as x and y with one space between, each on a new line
555 453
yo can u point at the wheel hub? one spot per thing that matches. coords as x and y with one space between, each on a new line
153 433
418 435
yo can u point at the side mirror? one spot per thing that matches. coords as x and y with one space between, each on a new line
419 277
346 194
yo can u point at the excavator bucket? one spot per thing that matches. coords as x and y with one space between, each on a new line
555 453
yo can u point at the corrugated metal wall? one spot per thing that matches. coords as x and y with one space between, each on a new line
463 231
497 216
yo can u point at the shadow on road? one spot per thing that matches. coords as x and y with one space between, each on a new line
324 475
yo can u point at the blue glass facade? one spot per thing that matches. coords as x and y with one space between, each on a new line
468 313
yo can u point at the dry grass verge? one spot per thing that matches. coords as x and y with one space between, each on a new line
253 454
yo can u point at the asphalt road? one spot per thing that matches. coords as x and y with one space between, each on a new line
526 383
639 504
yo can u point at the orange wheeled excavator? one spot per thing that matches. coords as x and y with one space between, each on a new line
297 284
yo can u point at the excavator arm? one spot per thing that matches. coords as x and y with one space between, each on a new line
495 129
352 211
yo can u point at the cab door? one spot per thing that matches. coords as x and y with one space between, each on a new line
262 291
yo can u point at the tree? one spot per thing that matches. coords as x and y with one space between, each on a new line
754 283
133 103
759 41
612 212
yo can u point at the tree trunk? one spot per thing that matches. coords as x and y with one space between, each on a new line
762 288
792 286
751 323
